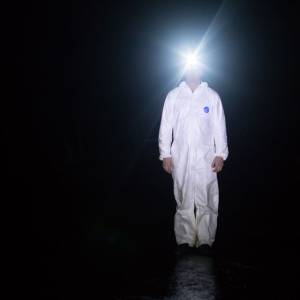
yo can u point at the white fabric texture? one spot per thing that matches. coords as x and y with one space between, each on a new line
192 132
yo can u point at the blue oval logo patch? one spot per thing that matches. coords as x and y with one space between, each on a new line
206 109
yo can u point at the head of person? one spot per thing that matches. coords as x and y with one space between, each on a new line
193 74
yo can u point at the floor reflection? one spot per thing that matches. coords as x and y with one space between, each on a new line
193 278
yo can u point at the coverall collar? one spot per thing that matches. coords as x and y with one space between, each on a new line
185 85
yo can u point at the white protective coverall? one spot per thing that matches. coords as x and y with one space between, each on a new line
193 131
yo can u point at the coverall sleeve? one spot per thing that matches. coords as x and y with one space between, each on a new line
220 134
166 128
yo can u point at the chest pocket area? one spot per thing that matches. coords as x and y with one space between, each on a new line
204 115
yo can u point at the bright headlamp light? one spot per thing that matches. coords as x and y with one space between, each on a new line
191 61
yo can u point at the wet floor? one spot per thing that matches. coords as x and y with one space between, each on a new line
193 277
196 277
160 273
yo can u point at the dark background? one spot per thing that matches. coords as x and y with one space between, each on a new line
82 137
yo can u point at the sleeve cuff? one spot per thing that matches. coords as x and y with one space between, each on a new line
161 157
221 155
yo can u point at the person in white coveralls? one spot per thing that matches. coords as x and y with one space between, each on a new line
193 147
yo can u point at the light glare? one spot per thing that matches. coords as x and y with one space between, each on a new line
191 61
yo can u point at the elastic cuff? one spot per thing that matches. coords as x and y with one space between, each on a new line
221 155
161 157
